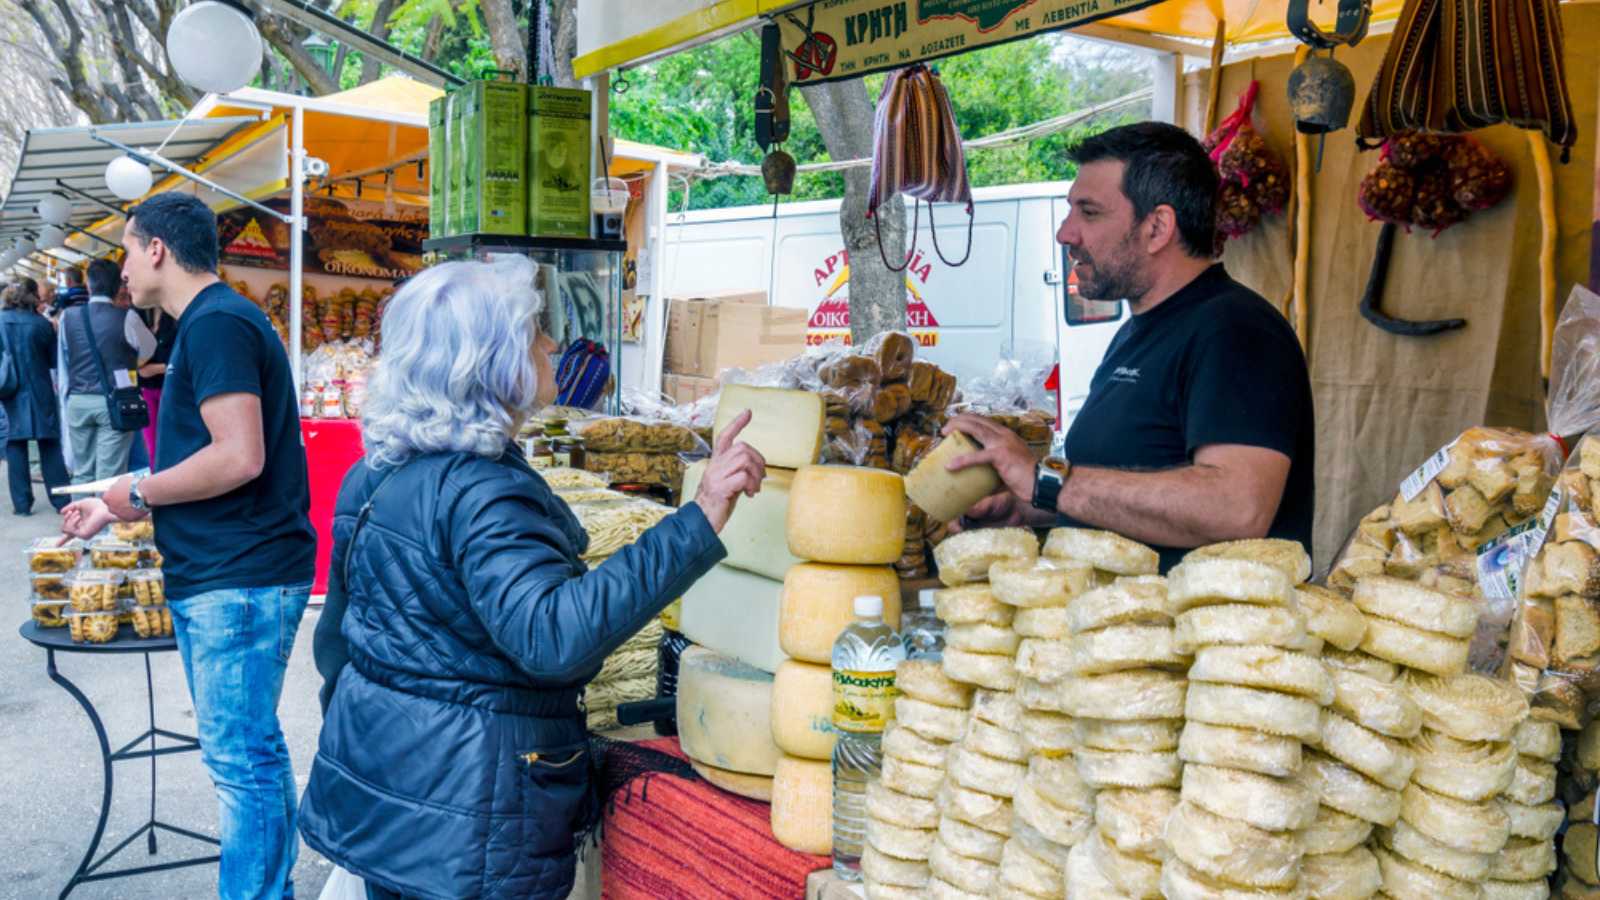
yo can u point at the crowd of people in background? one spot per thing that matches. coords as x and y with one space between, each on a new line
55 427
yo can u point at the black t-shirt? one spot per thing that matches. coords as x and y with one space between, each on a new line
259 534
166 333
1212 364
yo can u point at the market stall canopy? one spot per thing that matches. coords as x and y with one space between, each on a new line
71 162
871 35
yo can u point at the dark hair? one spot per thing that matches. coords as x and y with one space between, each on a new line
105 277
15 296
1165 165
31 286
185 224
74 276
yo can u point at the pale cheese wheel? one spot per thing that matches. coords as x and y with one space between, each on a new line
992 740
1004 890
877 890
1385 760
818 605
924 680
1048 732
802 805
1539 823
1266 667
1362 664
911 778
1241 707
1180 882
1238 623
1083 878
1135 875
725 713
880 867
970 840
1133 820
1045 661
1239 748
1021 870
945 495
1058 780
1405 840
972 604
1038 845
1230 850
1540 740
1472 771
1385 707
1537 889
990 670
1127 601
1119 647
1213 582
755 787
1039 583
1411 604
1125 696
848 515
984 773
1533 783
986 811
1035 694
899 842
735 614
1288 557
1404 878
1333 832
754 532
979 638
940 723
1342 788
785 425
1131 769
889 805
969 874
1474 827
1350 875
1104 550
1412 647
1059 824
1271 804
1052 622
997 707
1151 735
802 710
1524 859
903 743
1330 616
939 889
1468 707
965 557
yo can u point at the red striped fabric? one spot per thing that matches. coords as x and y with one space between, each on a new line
667 838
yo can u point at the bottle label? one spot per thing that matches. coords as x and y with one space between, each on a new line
863 702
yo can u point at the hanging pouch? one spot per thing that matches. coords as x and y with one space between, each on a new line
917 151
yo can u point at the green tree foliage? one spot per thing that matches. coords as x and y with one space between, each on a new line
700 101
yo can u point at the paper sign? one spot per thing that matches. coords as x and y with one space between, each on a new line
1418 480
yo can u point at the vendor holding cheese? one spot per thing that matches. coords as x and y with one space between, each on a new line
1198 427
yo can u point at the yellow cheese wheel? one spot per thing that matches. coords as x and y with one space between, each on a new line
818 601
725 713
785 425
802 805
845 514
945 495
802 710
756 787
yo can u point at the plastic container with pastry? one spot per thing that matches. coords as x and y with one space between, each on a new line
152 621
110 553
133 532
99 627
149 556
49 586
94 590
48 555
149 587
49 613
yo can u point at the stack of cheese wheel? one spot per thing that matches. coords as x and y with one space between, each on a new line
902 813
1580 879
983 770
847 524
725 721
1254 697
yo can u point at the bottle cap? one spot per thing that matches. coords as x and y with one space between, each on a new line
869 607
925 598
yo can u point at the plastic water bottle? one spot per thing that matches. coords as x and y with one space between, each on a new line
921 629
864 660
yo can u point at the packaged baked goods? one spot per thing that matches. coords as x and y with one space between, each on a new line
133 532
49 613
49 555
110 553
152 621
626 434
96 627
50 586
148 586
94 590
149 556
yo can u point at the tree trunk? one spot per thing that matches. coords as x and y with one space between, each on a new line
380 30
564 35
285 37
877 293
506 36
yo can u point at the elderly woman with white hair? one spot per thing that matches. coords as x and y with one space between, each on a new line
453 756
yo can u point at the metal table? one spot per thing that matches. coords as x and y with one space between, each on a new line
57 639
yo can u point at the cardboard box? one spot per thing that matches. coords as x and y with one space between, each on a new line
494 135
708 335
684 389
558 161
439 167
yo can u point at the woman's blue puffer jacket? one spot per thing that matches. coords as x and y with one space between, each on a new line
453 761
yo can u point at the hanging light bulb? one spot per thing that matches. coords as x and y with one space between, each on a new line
25 246
52 237
54 209
128 178
214 46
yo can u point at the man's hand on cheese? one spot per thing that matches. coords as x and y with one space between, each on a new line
735 468
1001 449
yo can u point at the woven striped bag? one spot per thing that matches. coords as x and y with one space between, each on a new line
1459 65
916 150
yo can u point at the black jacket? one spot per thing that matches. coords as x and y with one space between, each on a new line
453 757
32 411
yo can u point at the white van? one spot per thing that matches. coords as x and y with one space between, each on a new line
1006 302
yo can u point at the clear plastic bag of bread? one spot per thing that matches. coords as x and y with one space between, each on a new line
1471 508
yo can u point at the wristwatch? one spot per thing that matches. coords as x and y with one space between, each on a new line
1048 477
136 499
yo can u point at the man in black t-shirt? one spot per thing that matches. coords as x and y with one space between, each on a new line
1198 427
230 500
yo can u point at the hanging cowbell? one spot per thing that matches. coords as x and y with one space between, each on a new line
772 115
777 170
1322 92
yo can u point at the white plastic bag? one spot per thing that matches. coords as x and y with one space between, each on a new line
342 885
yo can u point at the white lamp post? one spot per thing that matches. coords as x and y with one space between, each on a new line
214 46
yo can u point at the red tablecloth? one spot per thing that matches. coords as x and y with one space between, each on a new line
667 838
332 447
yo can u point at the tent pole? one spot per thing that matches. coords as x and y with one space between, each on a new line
297 190
170 166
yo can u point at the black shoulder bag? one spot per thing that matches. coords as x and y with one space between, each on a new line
126 406
10 378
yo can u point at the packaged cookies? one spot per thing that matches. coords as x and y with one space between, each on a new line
50 586
98 627
148 587
49 613
47 555
152 622
110 553
94 590
133 532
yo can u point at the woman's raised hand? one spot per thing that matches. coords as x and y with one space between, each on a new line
735 468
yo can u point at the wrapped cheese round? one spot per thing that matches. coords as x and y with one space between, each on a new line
903 743
1403 878
1412 647
972 604
1180 882
1152 735
941 723
1362 664
1213 582
1133 819
945 495
1412 604
978 638
924 680
1331 617
901 843
1333 832
911 778
1039 583
1350 875
1343 789
1533 783
1134 875
1474 827
1288 557
997 707
1128 769
992 740
1104 550
1238 623
847 514
818 604
966 557
882 868
1264 667
1083 878
1233 851
1035 694
1118 647
1037 845
970 840
1050 622
889 805
990 670
1022 870
1267 711
1537 889
1047 732
986 811
1385 760
1384 707
1045 661
1537 822
1239 748
966 873
1540 740
1523 859
1059 781
1271 804
1468 707
984 773
1125 696
1127 601
1406 841
939 889
1471 771
1059 824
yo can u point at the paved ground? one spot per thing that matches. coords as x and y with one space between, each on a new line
50 781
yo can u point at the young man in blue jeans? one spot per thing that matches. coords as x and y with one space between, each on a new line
229 496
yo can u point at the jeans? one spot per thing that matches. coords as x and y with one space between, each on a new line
98 450
20 479
235 646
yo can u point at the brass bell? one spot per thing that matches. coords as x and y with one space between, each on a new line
1322 92
777 170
